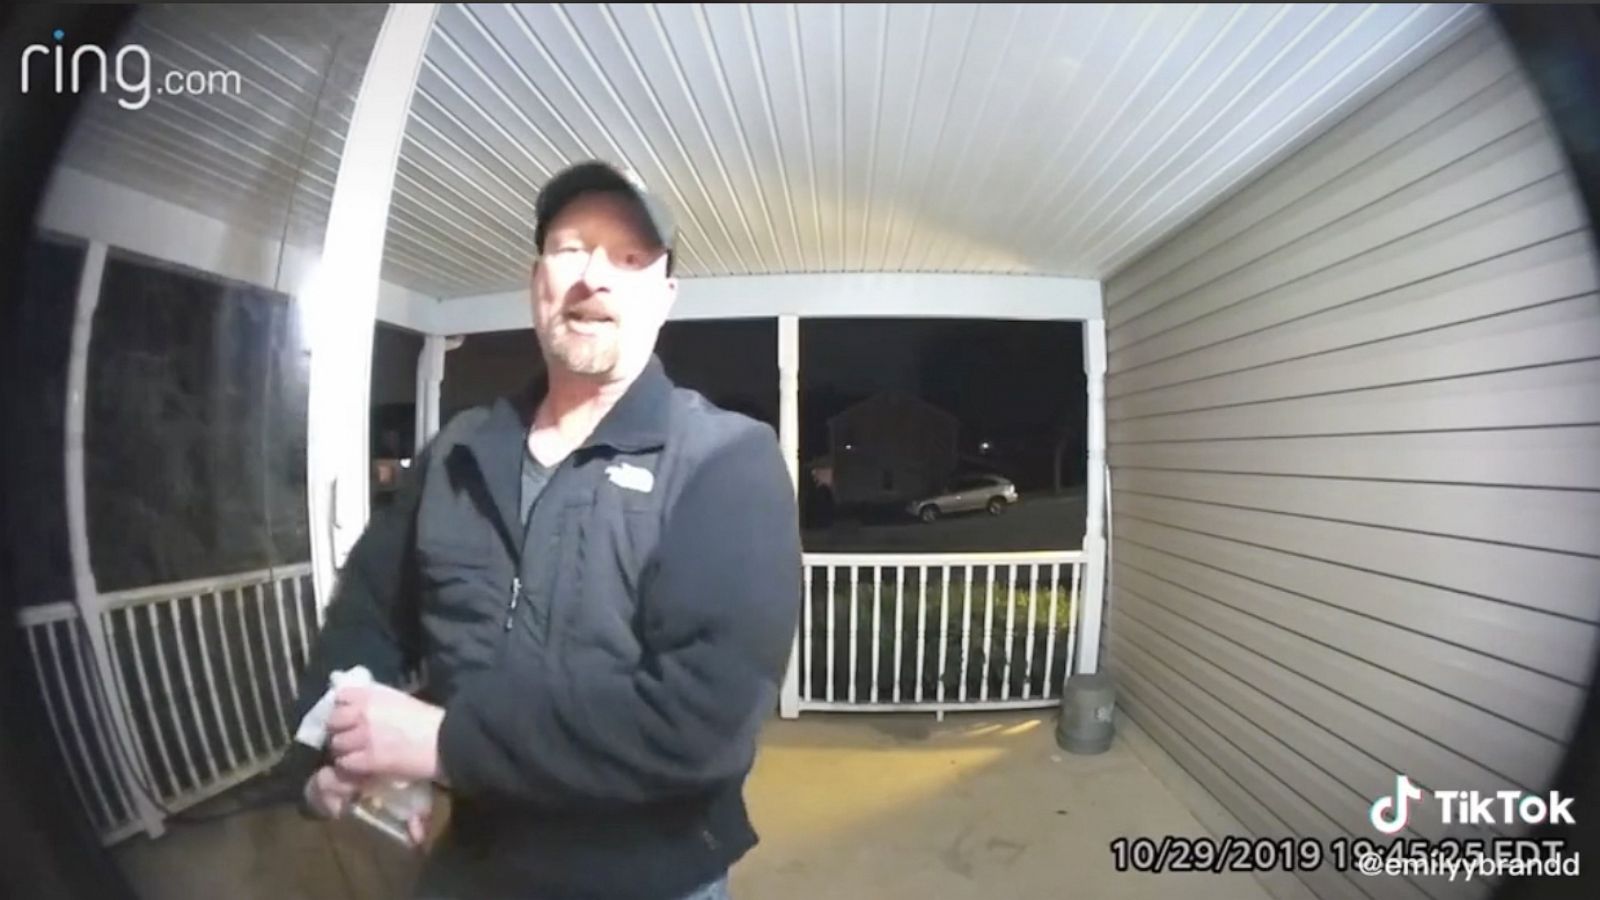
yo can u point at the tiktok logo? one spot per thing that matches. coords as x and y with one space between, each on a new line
1389 813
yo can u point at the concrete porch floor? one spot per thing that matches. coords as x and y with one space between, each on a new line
848 806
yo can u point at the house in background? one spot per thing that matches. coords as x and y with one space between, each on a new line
889 448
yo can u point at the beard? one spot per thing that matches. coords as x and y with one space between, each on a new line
582 354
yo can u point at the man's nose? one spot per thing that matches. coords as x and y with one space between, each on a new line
597 269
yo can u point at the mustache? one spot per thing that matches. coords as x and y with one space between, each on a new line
587 304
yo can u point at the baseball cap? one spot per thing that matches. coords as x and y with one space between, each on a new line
592 176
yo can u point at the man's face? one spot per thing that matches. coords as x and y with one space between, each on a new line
600 288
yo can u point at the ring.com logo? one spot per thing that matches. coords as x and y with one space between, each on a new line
1390 812
132 68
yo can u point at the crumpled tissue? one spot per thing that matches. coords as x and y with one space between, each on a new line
313 730
387 804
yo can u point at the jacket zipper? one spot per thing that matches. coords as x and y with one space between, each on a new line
511 608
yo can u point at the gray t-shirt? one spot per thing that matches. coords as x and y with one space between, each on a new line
535 475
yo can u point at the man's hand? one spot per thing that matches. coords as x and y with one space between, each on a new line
329 793
379 731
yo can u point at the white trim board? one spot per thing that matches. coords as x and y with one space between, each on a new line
342 297
826 295
79 204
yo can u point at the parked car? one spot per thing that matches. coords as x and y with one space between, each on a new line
967 493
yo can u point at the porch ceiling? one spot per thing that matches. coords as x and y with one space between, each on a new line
234 158
1060 140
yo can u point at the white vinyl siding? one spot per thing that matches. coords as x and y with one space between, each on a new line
1353 419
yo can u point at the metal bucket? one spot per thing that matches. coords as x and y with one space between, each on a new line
1087 702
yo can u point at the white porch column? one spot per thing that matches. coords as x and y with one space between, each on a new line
340 301
1092 598
430 378
789 438
129 768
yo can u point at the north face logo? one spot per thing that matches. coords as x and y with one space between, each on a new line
631 477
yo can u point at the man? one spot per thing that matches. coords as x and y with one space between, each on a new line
599 580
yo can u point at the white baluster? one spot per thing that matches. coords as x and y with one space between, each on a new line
877 626
832 632
988 635
148 700
249 745
107 820
899 624
855 629
1033 598
192 690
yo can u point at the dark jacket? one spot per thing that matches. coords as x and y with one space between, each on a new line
604 671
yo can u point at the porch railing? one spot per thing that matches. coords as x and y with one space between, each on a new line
937 632
204 672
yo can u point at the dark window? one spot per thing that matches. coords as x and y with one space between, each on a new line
487 366
395 355
195 427
733 362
